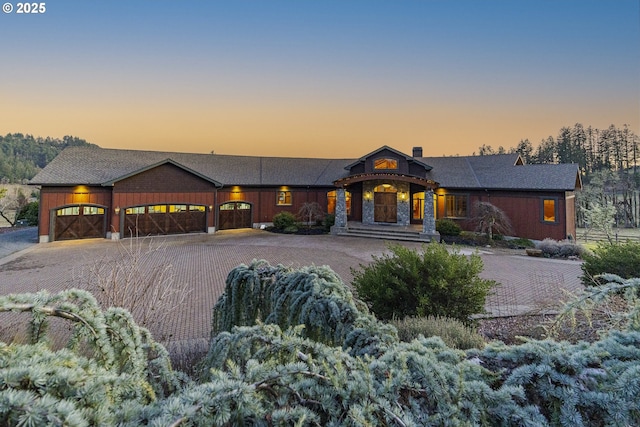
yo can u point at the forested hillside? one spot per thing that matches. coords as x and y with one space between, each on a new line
23 155
609 162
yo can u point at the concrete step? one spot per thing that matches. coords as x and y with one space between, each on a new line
377 233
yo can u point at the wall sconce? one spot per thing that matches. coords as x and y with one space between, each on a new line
368 196
210 208
403 197
117 210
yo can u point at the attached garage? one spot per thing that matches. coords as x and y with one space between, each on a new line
79 222
234 215
164 219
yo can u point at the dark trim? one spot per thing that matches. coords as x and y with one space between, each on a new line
424 182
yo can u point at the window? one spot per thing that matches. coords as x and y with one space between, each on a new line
549 210
418 205
332 197
177 208
196 208
385 163
92 210
283 198
73 210
455 206
137 210
158 209
385 188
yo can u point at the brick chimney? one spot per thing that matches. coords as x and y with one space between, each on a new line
417 151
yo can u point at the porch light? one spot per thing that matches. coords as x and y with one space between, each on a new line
117 210
210 208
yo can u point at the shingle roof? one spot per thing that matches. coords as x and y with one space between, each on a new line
500 172
99 166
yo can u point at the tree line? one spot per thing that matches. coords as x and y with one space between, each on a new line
22 156
609 163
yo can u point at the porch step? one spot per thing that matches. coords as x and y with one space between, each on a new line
390 233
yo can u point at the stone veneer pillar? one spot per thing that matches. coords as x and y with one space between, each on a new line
340 224
429 218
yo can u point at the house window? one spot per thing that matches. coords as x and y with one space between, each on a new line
549 213
283 198
332 197
455 206
418 205
385 163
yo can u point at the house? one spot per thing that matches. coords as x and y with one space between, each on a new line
89 192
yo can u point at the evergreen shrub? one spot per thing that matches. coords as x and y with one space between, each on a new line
29 213
405 282
454 333
448 227
328 222
621 259
284 220
560 248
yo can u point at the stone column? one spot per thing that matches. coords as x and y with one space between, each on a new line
340 224
429 218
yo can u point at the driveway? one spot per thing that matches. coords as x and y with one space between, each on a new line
202 262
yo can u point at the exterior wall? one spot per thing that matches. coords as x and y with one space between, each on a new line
263 199
403 164
524 210
52 198
165 184
403 205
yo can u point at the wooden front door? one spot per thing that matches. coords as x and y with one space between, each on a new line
385 207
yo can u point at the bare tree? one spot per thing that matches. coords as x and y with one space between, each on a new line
12 200
310 212
489 218
139 278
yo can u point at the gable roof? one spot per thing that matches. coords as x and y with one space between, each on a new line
100 166
393 150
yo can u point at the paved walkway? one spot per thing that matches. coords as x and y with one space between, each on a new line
202 263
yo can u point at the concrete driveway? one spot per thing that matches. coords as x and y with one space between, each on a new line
202 262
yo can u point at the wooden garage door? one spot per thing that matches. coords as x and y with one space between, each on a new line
79 222
164 219
235 215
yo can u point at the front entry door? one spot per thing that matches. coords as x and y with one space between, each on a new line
385 207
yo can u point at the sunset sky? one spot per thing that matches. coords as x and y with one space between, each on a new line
318 78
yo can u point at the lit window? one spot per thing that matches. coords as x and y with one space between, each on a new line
158 209
196 208
137 210
227 207
385 163
385 188
549 210
177 208
332 197
418 205
283 198
92 210
455 206
73 210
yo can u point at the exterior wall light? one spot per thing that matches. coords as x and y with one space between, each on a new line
117 210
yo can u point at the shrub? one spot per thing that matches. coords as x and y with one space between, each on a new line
433 282
521 243
328 222
283 220
560 248
29 213
448 227
454 333
622 259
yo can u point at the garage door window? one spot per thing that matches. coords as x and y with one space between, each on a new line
136 210
73 210
158 209
92 210
177 208
196 208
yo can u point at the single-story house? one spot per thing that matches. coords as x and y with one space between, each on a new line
89 192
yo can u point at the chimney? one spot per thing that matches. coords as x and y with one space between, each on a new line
417 151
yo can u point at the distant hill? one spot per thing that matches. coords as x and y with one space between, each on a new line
22 156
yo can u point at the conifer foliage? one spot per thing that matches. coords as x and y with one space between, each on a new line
288 366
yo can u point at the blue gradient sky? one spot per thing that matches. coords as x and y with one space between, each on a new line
319 78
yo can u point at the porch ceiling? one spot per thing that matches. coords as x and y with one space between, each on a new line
352 179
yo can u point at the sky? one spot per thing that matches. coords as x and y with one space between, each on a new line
332 79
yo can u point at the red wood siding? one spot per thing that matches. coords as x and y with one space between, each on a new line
55 197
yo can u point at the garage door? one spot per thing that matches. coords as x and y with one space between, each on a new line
164 219
79 222
235 215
